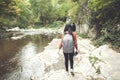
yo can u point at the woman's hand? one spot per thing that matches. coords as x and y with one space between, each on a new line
59 52
77 50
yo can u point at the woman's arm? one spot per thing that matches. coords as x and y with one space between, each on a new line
60 45
75 39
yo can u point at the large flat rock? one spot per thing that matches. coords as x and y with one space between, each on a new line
90 64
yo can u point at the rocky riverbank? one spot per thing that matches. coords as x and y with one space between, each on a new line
90 64
17 33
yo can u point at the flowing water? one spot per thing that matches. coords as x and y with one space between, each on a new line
18 58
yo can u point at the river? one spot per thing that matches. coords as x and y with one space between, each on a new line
28 55
18 60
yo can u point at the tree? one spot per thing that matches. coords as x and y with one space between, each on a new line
26 16
14 13
106 16
8 8
41 9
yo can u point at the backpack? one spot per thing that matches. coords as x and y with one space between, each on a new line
68 43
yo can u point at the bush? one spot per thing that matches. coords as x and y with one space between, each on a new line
56 24
98 42
113 36
83 35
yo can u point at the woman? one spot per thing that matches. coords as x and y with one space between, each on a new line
68 55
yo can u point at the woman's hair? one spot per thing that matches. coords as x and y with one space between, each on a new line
68 28
73 27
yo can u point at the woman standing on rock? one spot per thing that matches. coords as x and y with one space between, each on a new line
68 42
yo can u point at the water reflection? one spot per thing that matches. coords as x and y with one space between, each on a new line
18 60
30 63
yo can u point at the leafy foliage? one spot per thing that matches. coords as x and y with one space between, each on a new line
23 13
15 12
9 7
106 16
100 41
48 11
56 24
83 35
